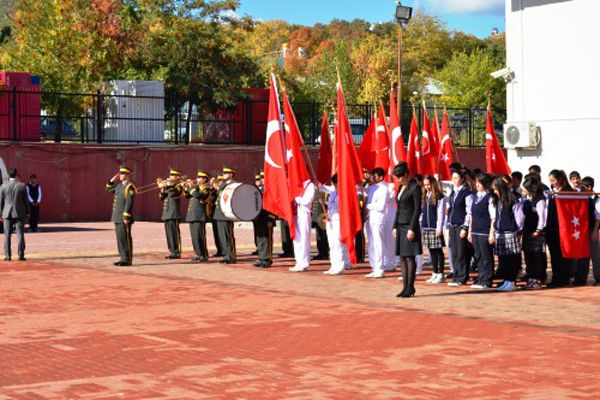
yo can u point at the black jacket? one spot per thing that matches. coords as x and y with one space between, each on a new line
409 207
123 201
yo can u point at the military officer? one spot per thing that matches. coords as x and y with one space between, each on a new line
122 213
258 182
215 184
200 195
170 193
263 227
224 225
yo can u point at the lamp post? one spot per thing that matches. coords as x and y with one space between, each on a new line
403 15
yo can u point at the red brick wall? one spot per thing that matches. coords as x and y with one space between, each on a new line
73 176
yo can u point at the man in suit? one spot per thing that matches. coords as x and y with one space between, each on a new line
200 196
225 225
122 213
170 194
263 228
15 208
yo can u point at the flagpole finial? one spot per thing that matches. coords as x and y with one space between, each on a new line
489 100
444 107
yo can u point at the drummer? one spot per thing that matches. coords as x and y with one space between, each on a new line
225 225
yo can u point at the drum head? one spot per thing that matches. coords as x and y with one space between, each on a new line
246 202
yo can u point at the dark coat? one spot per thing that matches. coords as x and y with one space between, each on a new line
123 201
409 207
13 200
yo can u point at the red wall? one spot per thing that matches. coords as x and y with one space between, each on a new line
73 176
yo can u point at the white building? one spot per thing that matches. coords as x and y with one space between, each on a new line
553 53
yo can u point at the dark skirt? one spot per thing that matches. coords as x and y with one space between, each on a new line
507 244
431 241
406 248
534 244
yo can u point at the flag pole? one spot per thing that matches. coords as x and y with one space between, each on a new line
450 135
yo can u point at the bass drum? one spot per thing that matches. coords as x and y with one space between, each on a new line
240 201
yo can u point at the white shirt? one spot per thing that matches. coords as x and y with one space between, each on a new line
304 202
332 201
377 198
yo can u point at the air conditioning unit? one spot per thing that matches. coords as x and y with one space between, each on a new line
522 135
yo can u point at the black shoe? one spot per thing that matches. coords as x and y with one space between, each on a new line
255 253
203 259
596 283
6 258
265 265
226 262
173 256
257 263
123 264
22 258
408 293
320 257
117 263
450 275
284 254
217 255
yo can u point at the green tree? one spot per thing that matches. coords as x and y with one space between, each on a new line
466 80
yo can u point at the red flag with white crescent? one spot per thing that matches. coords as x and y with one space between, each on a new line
276 197
494 156
366 151
325 155
414 148
446 156
429 158
349 176
398 152
297 172
382 142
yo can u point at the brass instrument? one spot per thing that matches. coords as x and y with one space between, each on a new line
163 183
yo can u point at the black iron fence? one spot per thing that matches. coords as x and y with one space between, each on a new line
106 118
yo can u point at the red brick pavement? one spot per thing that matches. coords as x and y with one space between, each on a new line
77 328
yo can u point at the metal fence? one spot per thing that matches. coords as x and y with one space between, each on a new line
101 118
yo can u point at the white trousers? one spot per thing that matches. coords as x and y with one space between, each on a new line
389 244
336 248
375 236
302 239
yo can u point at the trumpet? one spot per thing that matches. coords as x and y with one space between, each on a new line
162 183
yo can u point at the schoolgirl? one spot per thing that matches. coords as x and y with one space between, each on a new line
508 225
481 233
433 210
458 225
534 240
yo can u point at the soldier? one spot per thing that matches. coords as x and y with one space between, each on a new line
170 193
200 195
263 228
122 213
259 184
215 185
224 225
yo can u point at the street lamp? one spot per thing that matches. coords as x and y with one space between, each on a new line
403 15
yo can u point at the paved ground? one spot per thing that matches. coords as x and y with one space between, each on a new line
72 326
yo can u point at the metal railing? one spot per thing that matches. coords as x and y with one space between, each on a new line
105 118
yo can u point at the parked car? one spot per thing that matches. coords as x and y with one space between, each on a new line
49 128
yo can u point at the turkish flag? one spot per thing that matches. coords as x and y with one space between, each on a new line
325 156
381 143
365 151
494 156
276 197
428 165
414 148
573 225
397 149
349 176
446 156
435 140
297 173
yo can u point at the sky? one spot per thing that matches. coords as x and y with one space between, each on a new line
476 17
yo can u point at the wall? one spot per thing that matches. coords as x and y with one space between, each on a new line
552 49
73 176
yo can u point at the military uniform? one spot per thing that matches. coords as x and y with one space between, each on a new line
263 228
214 199
198 213
123 211
225 226
170 196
